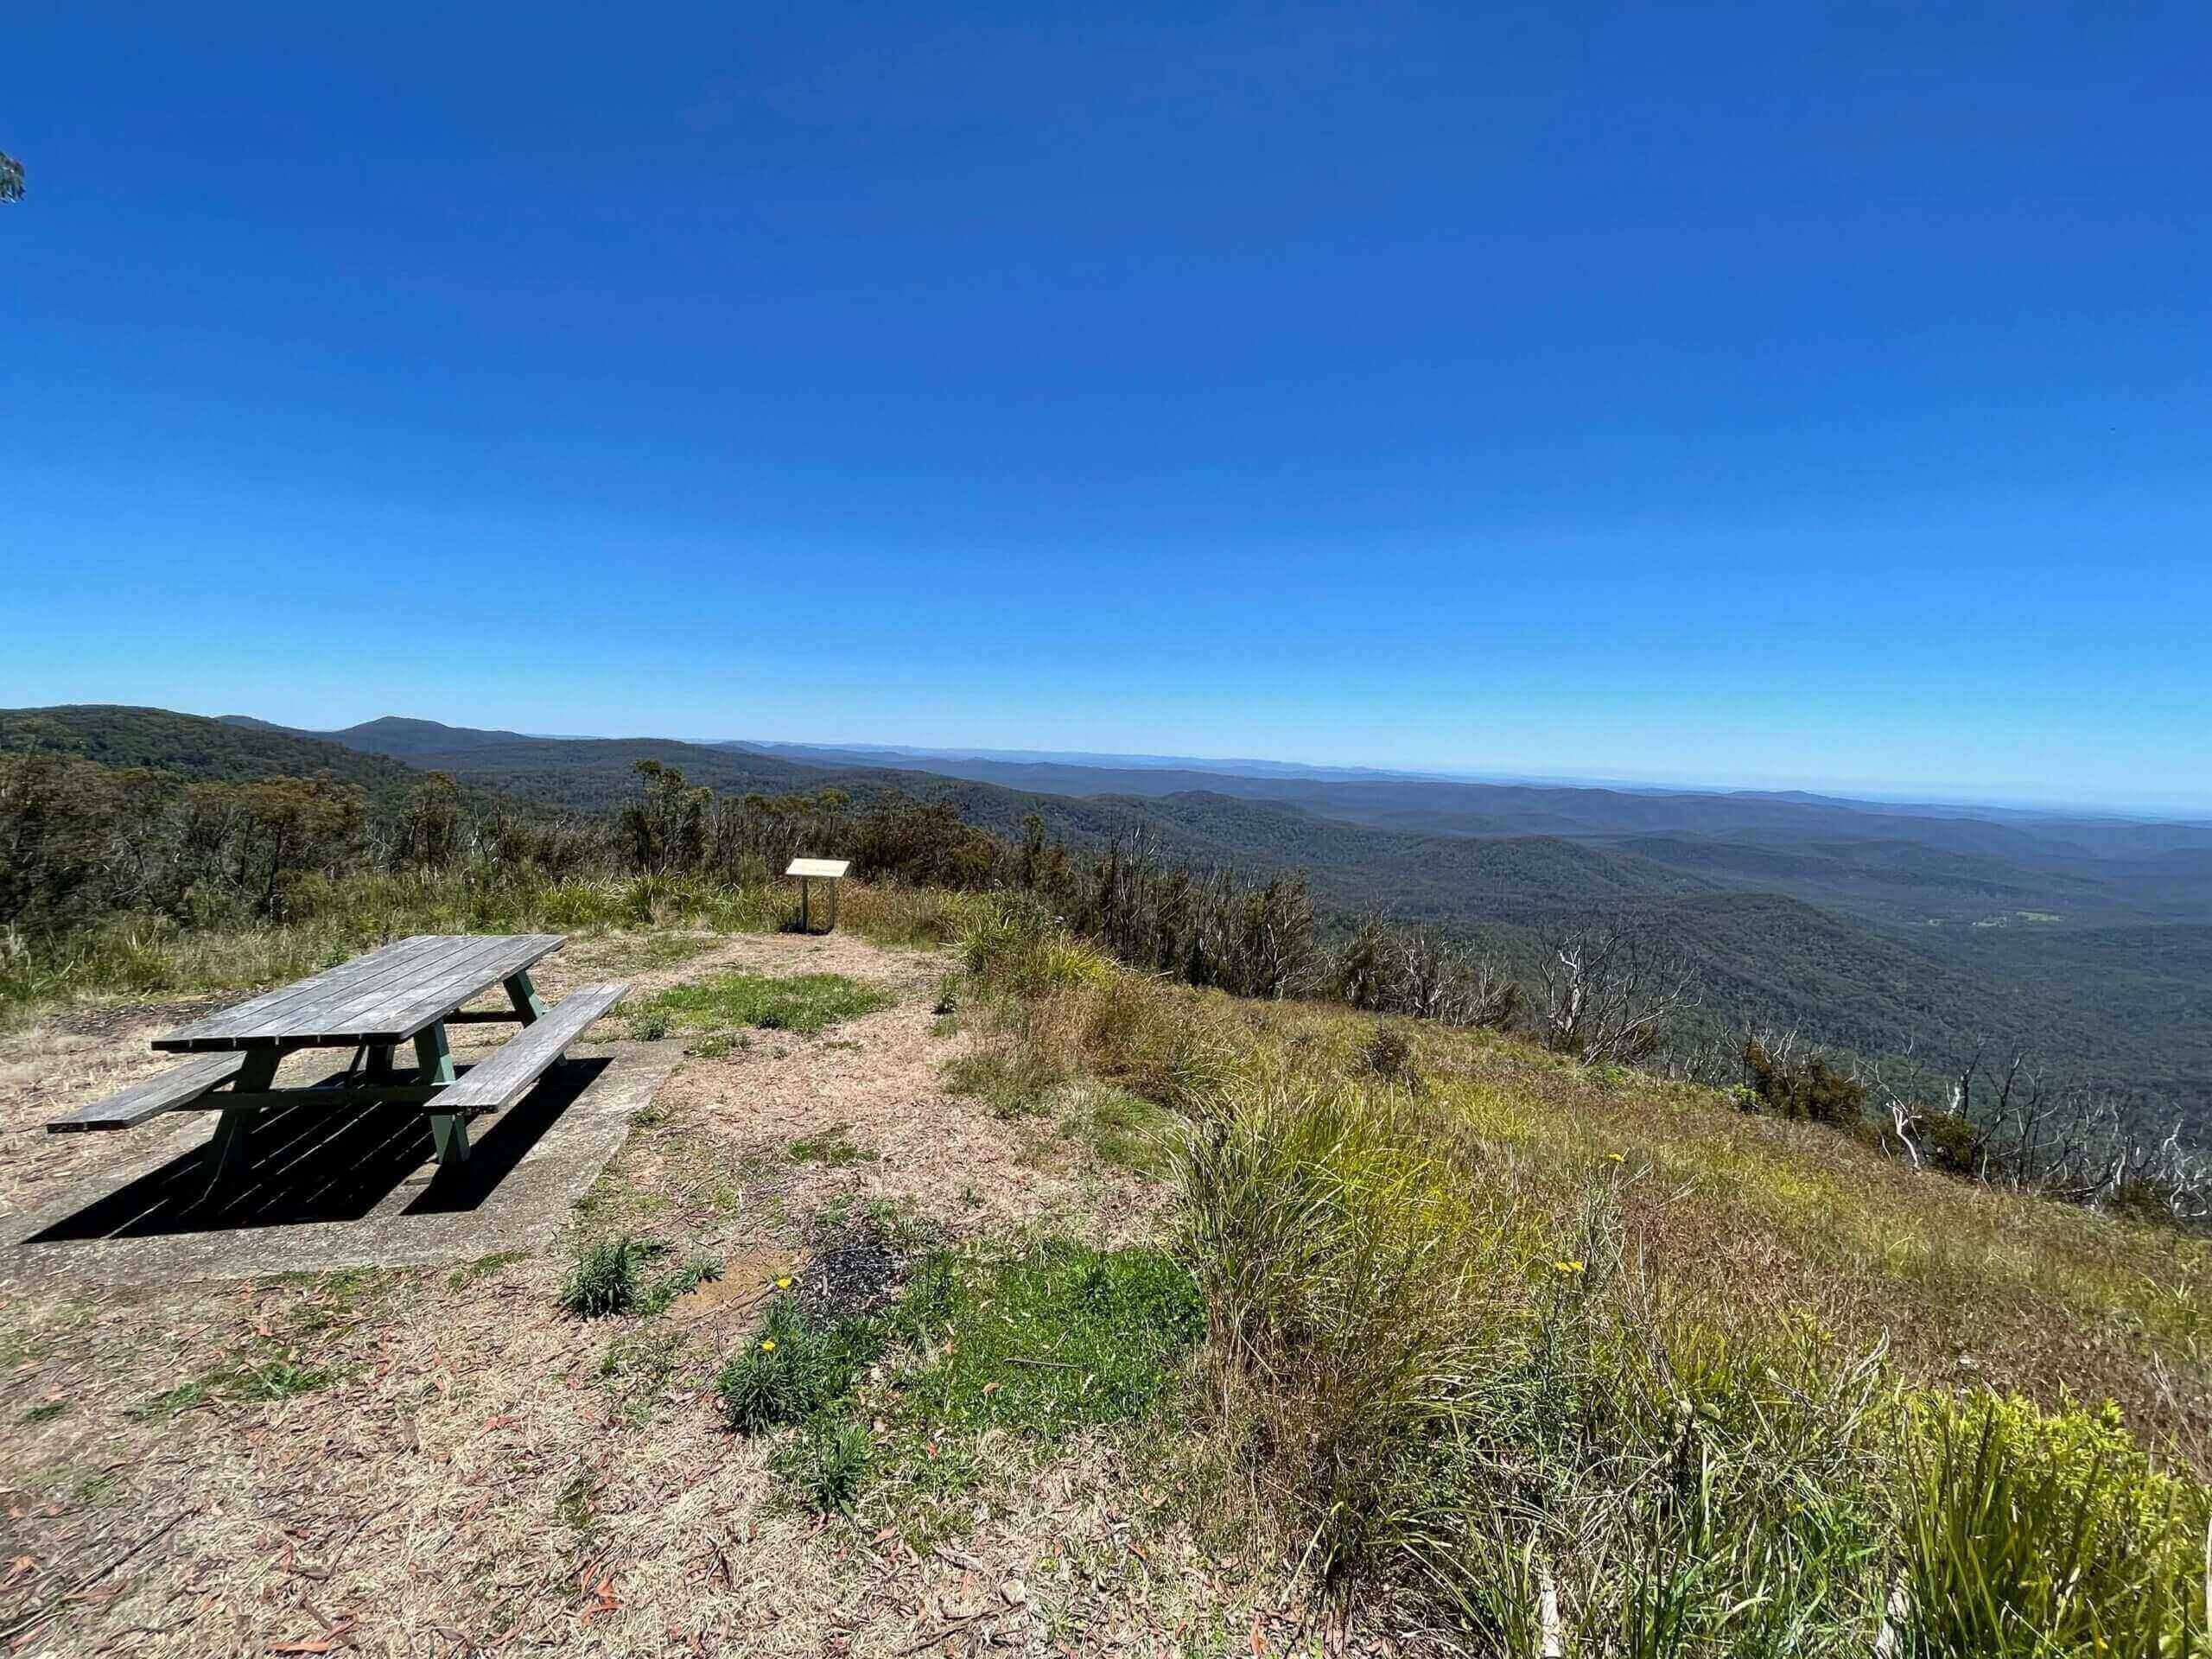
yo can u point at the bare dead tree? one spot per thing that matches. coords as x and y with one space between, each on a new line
1608 993
2001 1125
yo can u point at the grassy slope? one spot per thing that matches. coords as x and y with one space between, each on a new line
1748 1221
1483 1308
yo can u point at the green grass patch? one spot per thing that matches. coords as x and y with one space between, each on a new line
246 1380
1046 1340
1124 1129
804 1003
483 1267
1033 1345
831 1146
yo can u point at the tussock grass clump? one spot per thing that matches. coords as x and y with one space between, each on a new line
604 1282
2027 1533
1022 950
829 1461
1349 1281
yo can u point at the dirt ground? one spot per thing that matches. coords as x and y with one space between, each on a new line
469 1470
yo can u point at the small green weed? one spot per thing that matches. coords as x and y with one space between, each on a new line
637 1369
245 1381
574 1505
804 1003
657 1297
45 1409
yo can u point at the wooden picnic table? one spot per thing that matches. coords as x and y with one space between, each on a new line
406 992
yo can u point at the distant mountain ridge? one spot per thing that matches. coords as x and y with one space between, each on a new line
2088 941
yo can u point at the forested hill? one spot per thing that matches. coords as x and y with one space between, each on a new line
199 749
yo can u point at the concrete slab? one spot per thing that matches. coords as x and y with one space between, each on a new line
354 1190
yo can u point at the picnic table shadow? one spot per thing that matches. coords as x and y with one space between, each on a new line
308 1163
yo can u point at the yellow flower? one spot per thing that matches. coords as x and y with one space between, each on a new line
1617 1157
1568 1267
784 1283
767 1344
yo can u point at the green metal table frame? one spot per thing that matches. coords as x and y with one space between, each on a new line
373 1079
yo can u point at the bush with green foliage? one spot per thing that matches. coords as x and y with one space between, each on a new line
1807 1091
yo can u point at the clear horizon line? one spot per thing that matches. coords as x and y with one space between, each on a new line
2193 813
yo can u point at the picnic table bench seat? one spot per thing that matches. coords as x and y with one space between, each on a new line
178 1086
491 1086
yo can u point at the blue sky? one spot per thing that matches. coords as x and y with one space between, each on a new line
1812 395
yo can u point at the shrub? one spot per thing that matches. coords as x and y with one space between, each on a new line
1389 1054
1411 971
1808 1091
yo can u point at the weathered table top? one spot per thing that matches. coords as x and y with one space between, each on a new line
385 997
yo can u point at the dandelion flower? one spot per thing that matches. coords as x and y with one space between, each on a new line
767 1344
1617 1157
1568 1267
784 1283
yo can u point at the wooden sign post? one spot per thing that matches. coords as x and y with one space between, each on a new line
809 871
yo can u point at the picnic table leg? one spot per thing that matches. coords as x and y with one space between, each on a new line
449 1130
380 1060
227 1155
523 995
